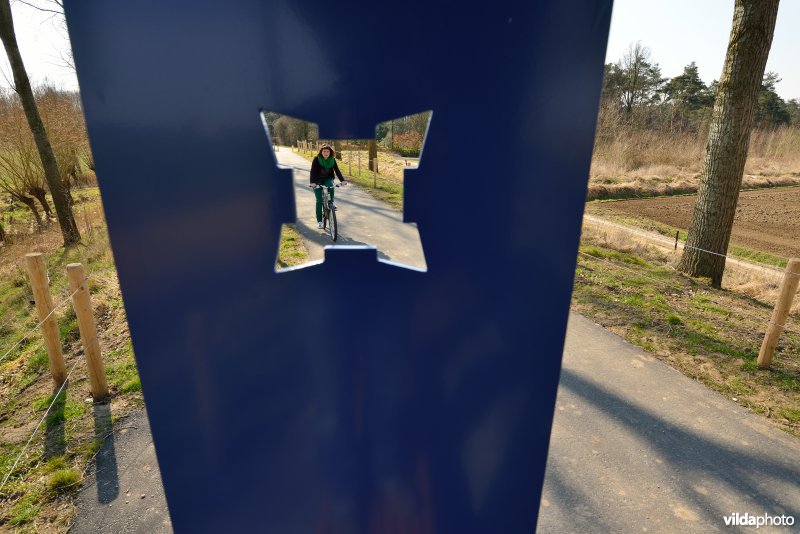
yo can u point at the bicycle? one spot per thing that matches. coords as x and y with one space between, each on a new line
328 212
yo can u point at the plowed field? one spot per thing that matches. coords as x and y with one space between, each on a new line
766 219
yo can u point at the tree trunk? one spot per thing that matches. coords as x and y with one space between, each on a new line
728 139
22 85
337 148
2 233
373 153
28 201
41 196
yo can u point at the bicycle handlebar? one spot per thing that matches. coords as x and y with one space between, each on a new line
317 186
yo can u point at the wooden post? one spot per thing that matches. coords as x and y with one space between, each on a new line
791 278
91 347
359 164
375 174
676 239
37 270
350 163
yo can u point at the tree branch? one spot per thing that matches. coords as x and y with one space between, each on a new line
44 9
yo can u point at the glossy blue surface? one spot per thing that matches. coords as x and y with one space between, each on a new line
352 396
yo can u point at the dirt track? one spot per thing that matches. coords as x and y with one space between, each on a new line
766 219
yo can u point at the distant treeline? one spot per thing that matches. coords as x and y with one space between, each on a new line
404 135
636 94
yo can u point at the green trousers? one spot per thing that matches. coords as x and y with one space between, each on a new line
318 194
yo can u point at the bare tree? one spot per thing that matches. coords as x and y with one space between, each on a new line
62 115
20 168
640 78
22 85
729 138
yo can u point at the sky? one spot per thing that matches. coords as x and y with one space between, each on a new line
42 41
677 32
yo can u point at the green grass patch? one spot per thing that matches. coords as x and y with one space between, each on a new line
131 386
757 256
62 409
25 511
56 463
737 385
39 362
68 326
673 319
790 414
292 251
610 254
124 376
62 481
703 303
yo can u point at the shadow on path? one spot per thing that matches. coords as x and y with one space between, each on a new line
106 475
752 474
322 239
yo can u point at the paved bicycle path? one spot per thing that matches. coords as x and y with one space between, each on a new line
363 219
636 447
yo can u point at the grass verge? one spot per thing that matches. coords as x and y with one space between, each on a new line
666 230
38 496
710 335
292 251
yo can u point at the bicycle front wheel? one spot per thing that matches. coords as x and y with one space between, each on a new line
333 229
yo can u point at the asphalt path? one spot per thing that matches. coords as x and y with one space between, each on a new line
638 447
635 447
363 220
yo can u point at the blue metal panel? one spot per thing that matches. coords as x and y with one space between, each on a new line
351 396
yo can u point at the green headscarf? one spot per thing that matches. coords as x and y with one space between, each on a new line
327 163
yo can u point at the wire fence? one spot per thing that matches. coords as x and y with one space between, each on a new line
666 242
39 325
38 426
56 395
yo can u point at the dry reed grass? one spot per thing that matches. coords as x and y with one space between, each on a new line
629 162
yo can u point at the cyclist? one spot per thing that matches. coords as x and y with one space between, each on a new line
323 168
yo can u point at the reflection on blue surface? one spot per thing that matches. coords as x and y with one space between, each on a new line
354 396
